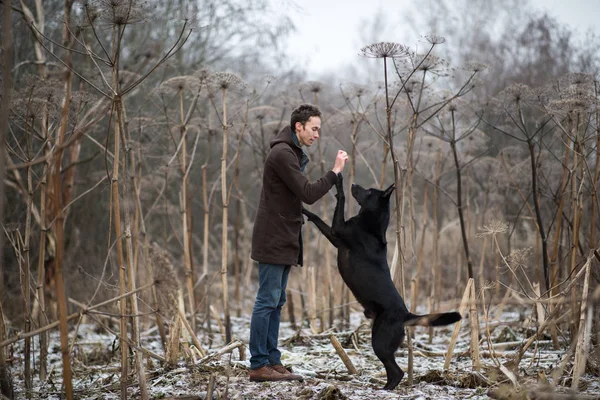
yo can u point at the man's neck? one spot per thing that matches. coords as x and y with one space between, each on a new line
296 139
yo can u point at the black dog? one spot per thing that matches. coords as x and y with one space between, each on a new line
362 262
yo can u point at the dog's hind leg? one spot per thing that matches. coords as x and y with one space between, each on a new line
386 337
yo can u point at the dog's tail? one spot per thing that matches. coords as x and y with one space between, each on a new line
432 319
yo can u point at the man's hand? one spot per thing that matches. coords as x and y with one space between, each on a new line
340 161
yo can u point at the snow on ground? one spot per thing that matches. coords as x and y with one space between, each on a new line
96 368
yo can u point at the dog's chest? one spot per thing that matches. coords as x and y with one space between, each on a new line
353 264
343 261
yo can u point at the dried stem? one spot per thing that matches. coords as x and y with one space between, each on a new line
59 214
585 328
225 200
186 215
343 356
474 321
463 306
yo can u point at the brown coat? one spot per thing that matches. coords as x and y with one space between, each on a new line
276 235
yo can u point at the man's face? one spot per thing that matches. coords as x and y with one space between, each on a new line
309 132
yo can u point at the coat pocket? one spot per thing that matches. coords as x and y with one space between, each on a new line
287 230
290 217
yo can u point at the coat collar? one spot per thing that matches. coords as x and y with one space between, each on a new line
286 135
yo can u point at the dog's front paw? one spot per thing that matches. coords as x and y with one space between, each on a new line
308 214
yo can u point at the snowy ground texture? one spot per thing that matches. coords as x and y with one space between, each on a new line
96 367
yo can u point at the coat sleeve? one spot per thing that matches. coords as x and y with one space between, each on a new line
285 164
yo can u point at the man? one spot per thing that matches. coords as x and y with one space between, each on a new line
276 238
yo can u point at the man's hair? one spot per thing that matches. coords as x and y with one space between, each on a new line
303 113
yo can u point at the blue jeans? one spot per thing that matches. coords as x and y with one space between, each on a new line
264 325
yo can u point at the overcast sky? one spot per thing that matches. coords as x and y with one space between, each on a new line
327 33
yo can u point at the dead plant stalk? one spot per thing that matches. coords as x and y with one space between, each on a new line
225 200
59 221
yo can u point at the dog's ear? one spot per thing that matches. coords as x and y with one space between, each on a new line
389 191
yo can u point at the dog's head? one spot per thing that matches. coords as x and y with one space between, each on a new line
372 199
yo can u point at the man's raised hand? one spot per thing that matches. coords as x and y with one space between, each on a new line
340 161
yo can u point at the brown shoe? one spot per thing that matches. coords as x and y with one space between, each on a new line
289 376
266 374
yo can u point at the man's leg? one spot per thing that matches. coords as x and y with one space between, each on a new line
273 332
270 277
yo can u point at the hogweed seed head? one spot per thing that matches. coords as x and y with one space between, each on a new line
50 89
202 75
430 63
578 90
575 104
285 99
268 79
384 50
493 228
261 112
518 92
474 144
513 95
456 105
12 226
81 97
352 90
30 82
272 128
435 39
474 66
576 78
312 86
518 258
426 63
116 12
127 77
452 106
544 93
572 93
26 108
225 80
412 86
360 91
176 84
191 21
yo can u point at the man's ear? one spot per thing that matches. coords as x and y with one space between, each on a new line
389 190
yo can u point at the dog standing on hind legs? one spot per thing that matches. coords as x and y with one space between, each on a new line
362 263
